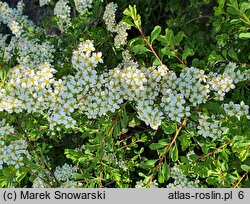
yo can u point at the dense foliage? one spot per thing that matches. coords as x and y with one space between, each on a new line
125 94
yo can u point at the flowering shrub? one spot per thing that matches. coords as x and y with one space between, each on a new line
92 97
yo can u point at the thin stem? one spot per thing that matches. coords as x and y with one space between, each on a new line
235 185
113 123
149 45
209 153
196 19
180 60
167 150
129 145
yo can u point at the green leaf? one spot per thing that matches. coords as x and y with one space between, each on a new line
160 176
174 153
140 49
244 6
163 40
125 118
156 62
193 157
187 52
224 166
163 173
127 11
214 57
233 11
136 41
167 52
149 163
163 142
168 129
166 171
215 107
245 167
211 180
235 21
244 36
156 146
155 33
195 117
178 38
132 12
224 54
222 39
21 175
185 141
128 21
117 130
169 36
233 54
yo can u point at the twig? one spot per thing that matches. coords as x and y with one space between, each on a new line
167 150
113 123
149 45
209 153
196 19
235 185
180 60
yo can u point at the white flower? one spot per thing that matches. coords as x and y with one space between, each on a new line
15 28
83 5
62 11
44 2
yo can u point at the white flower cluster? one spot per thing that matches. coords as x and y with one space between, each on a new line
36 90
112 159
5 129
12 154
44 179
2 42
121 34
223 83
150 115
141 184
237 110
109 16
27 90
14 18
30 53
6 51
62 12
44 2
83 5
178 92
120 29
71 184
65 173
210 126
15 28
180 180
